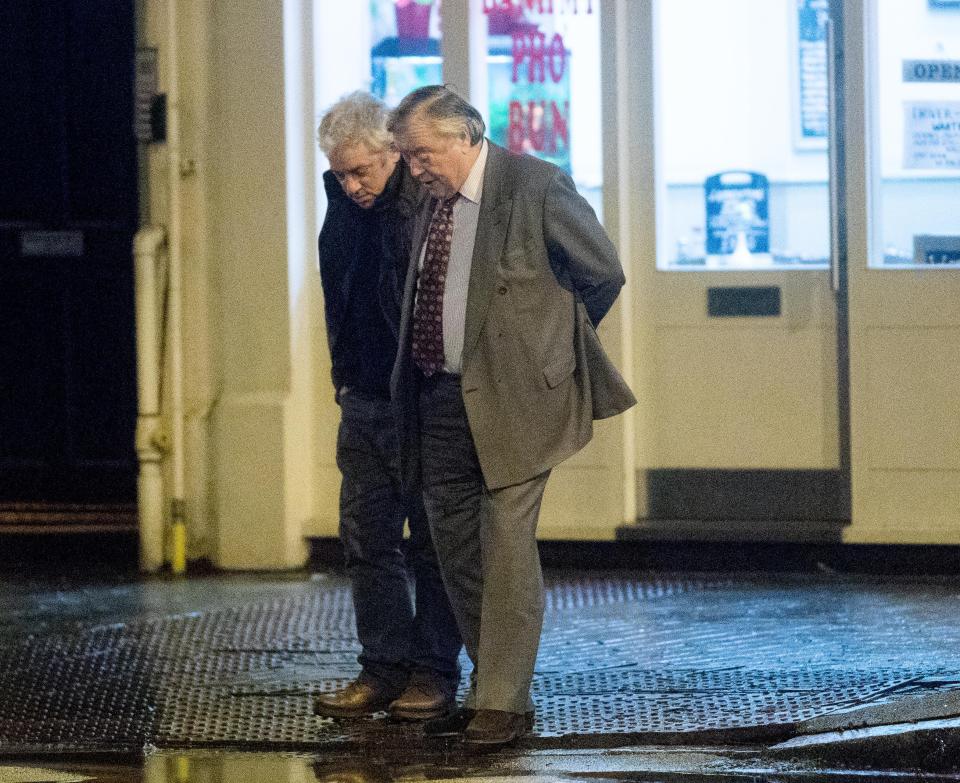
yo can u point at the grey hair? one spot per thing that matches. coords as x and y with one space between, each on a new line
358 117
451 114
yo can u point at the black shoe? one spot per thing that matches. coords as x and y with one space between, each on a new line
450 725
455 723
363 696
492 729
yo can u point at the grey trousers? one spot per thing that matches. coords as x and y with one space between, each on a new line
487 549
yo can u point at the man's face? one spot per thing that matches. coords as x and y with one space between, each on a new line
361 173
440 163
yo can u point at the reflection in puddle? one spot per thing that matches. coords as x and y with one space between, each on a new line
626 765
12 774
274 768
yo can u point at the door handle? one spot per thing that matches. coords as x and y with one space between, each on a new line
833 157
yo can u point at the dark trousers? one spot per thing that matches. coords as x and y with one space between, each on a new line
399 633
486 542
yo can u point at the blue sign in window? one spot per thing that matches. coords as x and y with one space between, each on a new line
738 213
812 16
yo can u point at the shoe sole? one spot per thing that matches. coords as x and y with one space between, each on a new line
335 713
488 746
527 728
444 735
418 715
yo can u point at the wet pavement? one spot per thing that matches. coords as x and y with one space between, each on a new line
179 672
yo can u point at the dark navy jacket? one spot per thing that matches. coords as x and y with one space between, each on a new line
363 259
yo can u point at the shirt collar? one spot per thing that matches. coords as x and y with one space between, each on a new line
472 188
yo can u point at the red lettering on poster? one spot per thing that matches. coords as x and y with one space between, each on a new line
534 6
573 6
540 6
538 126
557 57
559 123
515 129
530 47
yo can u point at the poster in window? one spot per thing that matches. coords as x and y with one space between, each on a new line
737 214
932 135
812 84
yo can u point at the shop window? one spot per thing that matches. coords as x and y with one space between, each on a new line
405 50
543 70
915 103
742 164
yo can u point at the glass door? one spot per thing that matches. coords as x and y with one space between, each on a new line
741 317
904 268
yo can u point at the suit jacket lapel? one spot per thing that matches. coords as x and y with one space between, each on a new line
495 205
419 234
420 226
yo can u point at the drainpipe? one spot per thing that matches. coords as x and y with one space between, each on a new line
178 534
150 438
620 169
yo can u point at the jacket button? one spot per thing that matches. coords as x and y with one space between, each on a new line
502 289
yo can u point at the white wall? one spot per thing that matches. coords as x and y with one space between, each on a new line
248 301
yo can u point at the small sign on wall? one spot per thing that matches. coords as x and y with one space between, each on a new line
931 71
51 244
145 89
931 135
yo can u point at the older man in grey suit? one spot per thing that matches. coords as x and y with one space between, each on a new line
499 377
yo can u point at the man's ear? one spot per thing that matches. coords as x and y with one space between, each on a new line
463 142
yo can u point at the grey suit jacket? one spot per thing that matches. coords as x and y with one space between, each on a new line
535 376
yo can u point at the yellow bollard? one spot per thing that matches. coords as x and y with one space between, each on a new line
178 538
181 770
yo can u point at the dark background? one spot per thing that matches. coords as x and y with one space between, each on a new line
68 164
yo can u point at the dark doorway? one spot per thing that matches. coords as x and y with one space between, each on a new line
68 212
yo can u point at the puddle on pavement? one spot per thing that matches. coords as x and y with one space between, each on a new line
633 765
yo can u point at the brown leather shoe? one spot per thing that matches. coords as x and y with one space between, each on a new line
492 729
363 696
425 697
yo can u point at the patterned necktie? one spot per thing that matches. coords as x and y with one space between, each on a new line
427 345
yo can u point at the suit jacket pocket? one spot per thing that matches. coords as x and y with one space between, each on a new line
517 270
558 371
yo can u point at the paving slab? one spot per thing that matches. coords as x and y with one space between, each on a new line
919 746
900 707
916 731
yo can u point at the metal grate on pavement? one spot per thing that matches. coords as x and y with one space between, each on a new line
620 657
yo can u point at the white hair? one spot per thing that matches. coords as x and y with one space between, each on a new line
356 118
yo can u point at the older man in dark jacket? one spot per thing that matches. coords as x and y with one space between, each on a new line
409 647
